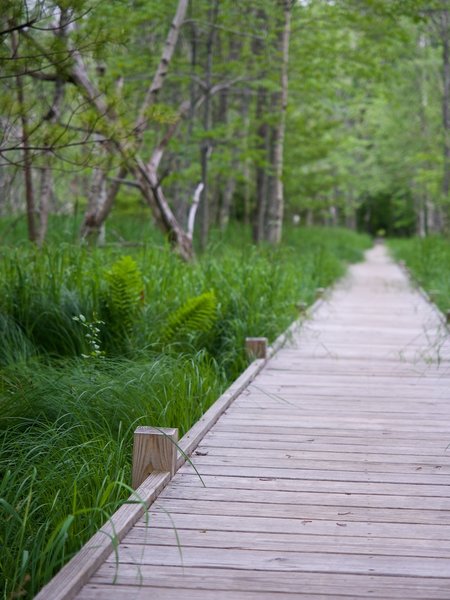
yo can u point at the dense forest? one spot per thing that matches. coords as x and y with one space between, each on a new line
174 177
259 111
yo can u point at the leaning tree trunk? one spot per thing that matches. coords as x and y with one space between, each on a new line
95 220
276 203
145 175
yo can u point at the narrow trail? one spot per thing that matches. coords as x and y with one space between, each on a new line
328 476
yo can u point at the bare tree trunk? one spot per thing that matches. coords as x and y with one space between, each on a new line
440 19
47 171
276 203
206 147
422 194
446 102
27 163
227 198
142 121
44 203
93 232
261 173
228 182
245 110
145 175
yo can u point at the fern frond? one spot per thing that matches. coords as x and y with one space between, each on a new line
124 295
197 315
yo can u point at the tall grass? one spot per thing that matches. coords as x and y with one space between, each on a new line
66 422
429 261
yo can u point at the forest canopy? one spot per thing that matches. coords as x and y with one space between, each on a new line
258 111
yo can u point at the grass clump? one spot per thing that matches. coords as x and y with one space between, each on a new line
98 342
429 260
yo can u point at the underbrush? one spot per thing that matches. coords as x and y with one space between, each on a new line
429 261
97 342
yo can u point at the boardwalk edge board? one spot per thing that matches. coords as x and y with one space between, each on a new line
76 573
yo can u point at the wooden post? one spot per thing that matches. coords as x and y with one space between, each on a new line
433 295
153 450
301 307
319 293
447 316
256 347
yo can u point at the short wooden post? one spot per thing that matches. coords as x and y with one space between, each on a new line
433 295
447 316
301 307
256 347
319 293
154 449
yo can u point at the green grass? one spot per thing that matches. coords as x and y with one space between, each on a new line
66 422
429 261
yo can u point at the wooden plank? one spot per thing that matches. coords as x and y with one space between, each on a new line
105 592
299 498
304 454
440 470
203 538
342 513
279 561
418 478
238 581
307 429
328 443
348 488
303 526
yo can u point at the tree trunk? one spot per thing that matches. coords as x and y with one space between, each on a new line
27 163
446 104
92 231
44 203
142 121
276 203
227 198
261 173
206 147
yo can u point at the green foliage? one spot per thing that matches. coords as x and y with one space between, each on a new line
429 260
197 315
124 296
65 444
392 212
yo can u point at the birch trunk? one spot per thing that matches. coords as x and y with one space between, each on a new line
276 204
151 96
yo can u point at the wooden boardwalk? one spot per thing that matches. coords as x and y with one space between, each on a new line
328 477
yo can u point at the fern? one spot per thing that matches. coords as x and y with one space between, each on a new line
197 315
124 295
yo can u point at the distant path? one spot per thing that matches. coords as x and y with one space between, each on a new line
326 479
